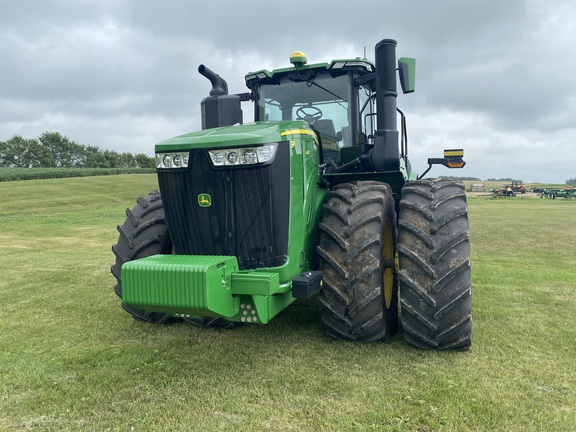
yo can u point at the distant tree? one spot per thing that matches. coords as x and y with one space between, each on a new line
63 153
3 147
112 159
571 181
144 161
15 152
127 160
39 155
91 154
507 179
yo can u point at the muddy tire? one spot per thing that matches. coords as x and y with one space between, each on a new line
143 234
357 247
434 253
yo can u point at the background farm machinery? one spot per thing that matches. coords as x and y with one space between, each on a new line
553 193
509 190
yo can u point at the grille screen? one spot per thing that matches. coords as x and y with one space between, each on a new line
248 215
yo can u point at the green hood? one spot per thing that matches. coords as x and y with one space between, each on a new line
232 136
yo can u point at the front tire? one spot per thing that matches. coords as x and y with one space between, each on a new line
144 233
434 252
357 248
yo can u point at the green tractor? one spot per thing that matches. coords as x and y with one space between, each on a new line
315 197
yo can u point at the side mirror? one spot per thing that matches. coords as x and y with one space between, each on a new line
407 70
453 158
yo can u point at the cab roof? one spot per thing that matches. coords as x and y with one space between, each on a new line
335 68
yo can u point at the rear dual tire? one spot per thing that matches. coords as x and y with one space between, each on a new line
357 248
434 253
358 242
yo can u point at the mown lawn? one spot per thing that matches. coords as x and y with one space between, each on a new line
71 359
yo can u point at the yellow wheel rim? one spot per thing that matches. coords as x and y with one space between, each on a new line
388 273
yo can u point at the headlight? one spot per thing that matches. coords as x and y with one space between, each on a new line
172 160
249 157
232 158
266 153
244 155
218 157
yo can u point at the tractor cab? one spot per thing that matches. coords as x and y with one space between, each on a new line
331 97
349 105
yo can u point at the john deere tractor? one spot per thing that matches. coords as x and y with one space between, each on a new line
315 197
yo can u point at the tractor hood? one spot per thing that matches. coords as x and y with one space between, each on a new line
234 136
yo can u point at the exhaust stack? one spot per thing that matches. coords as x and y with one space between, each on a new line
220 108
385 156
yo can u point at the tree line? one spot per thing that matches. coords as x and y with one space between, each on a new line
462 178
53 150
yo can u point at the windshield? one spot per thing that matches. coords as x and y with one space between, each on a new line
321 101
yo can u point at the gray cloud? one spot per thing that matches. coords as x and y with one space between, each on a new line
495 77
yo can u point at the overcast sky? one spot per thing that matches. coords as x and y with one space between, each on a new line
496 77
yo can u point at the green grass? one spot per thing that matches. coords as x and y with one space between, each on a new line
71 359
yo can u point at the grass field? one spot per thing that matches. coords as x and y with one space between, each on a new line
71 359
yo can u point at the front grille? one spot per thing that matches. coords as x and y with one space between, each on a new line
248 217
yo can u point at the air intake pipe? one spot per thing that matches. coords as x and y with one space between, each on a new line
385 156
220 108
219 85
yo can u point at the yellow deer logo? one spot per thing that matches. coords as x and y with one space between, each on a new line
204 200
